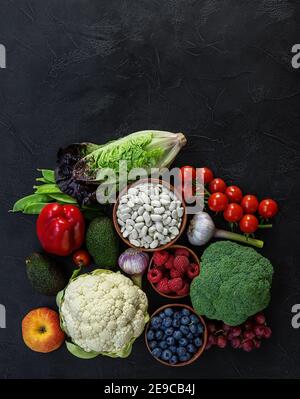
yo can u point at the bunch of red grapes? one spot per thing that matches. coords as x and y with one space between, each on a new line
247 336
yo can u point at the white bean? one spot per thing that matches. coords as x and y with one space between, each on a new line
136 243
139 219
156 218
154 244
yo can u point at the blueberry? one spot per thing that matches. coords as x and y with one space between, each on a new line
167 322
162 315
190 337
177 334
185 330
173 349
198 342
156 352
181 351
185 320
150 335
191 348
152 344
185 357
176 323
169 312
170 341
156 322
166 355
163 345
194 319
177 316
200 329
194 328
170 331
183 342
173 360
185 312
159 335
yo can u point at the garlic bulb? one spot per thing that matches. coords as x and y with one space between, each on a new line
134 262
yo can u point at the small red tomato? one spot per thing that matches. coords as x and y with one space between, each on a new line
217 202
207 175
217 186
268 208
234 194
248 224
82 258
233 213
249 203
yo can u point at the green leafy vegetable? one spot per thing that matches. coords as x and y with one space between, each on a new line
145 149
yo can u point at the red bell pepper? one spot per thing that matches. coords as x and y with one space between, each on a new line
60 229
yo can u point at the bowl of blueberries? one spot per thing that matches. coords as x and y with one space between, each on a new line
175 335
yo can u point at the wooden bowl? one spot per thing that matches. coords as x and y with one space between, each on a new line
172 248
117 226
204 337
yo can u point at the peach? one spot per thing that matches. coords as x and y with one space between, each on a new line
41 330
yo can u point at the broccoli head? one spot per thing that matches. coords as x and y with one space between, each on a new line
234 283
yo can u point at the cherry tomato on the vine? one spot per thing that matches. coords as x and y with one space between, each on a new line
234 194
268 208
217 202
207 175
217 186
249 203
81 258
233 213
248 224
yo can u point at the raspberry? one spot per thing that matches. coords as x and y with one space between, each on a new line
181 263
170 262
160 258
163 286
184 290
154 275
193 270
175 284
182 252
174 273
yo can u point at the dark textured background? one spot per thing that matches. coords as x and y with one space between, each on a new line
92 70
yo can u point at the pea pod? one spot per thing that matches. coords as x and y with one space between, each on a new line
48 175
35 208
63 198
21 204
47 189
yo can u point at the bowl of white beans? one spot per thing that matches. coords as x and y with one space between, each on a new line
149 214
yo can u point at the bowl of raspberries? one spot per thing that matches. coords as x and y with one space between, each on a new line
171 271
176 335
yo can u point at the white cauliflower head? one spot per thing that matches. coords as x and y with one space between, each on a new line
103 312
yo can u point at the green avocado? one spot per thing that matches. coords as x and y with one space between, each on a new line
102 242
45 275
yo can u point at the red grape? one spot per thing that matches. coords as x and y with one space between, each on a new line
236 331
267 332
259 330
249 334
257 343
221 341
248 345
226 327
236 343
260 318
